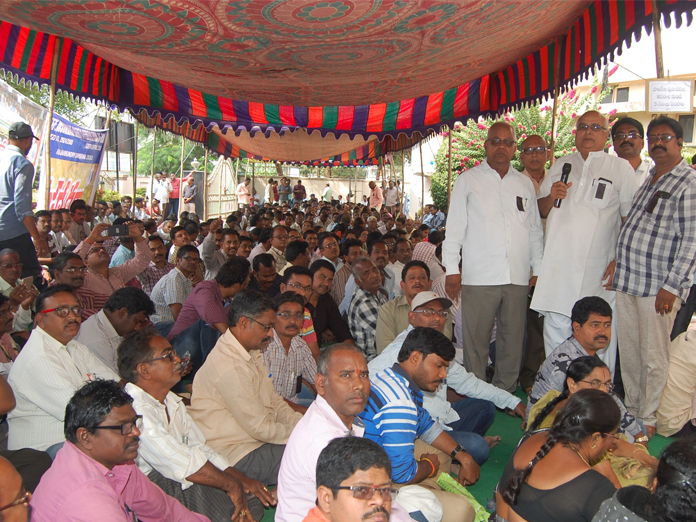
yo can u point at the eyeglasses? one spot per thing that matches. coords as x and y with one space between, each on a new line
288 315
612 435
631 135
194 259
169 355
126 428
654 138
265 326
64 311
497 141
75 270
431 313
24 498
300 287
281 238
597 384
10 266
367 492
596 127
531 150
330 245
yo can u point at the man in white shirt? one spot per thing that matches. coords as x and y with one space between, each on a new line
628 138
391 198
343 386
51 367
581 234
21 295
327 194
60 240
496 231
161 191
127 309
173 452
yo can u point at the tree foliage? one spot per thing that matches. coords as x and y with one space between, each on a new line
467 140
167 152
65 104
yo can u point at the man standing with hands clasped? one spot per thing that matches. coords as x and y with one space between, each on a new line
496 231
655 262
582 232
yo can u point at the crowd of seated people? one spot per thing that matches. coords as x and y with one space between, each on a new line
320 357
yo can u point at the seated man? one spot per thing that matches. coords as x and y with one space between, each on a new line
43 226
677 409
418 446
468 418
393 316
127 309
203 317
94 476
69 269
351 249
233 400
173 452
298 279
328 323
591 318
48 370
9 349
346 467
288 358
158 267
264 278
367 299
170 292
297 254
378 253
13 495
124 252
100 280
21 295
210 249
179 238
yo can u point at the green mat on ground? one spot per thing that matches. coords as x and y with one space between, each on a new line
509 429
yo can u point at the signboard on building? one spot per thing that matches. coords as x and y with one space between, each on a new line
669 96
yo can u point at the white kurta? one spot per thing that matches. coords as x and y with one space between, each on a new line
581 236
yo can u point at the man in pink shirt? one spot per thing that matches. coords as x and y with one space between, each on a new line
244 193
376 197
93 477
174 194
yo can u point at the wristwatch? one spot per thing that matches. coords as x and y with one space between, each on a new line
456 450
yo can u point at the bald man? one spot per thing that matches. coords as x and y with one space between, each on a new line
581 234
13 497
496 231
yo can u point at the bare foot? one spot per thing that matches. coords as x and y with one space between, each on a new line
492 441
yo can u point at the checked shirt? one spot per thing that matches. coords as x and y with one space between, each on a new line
658 249
362 320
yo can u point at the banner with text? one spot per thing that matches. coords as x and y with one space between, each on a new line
76 155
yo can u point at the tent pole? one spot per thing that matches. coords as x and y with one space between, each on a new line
205 185
181 176
556 87
51 104
152 170
220 193
658 39
403 181
252 182
420 150
449 167
135 161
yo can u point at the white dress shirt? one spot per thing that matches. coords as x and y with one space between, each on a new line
495 227
44 378
581 235
173 446
98 334
60 240
643 170
458 379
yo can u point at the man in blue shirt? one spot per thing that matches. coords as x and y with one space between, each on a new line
394 417
17 225
435 219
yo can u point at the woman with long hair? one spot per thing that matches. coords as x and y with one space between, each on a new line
631 463
671 498
556 475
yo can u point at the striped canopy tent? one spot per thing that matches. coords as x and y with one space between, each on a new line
368 69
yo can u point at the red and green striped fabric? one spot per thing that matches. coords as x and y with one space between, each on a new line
601 29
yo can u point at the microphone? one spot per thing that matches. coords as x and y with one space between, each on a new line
564 178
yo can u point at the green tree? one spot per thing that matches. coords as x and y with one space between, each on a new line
65 104
467 140
167 152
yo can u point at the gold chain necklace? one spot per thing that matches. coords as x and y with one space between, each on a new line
578 454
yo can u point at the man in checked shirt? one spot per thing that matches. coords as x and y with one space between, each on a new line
655 260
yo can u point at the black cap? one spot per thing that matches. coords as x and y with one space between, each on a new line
20 130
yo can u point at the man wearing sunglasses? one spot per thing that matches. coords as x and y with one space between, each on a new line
496 232
94 476
353 483
48 370
627 136
234 403
581 233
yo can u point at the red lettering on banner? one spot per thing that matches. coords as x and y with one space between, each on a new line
66 192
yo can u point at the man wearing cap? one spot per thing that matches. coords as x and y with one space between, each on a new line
17 224
627 136
468 419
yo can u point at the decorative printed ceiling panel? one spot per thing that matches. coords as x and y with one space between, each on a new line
360 67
